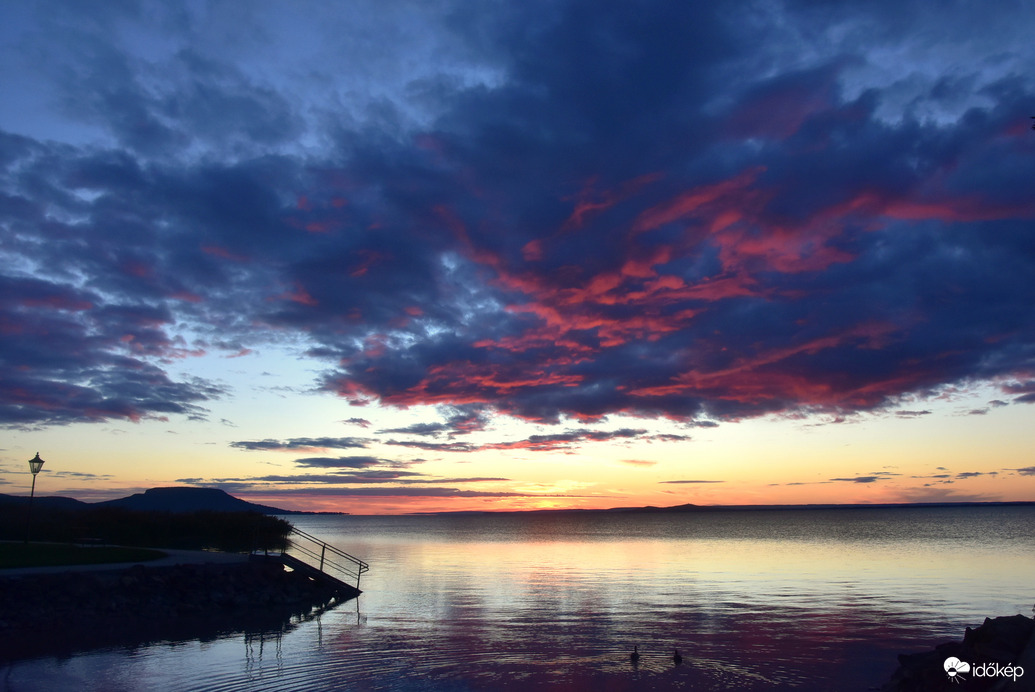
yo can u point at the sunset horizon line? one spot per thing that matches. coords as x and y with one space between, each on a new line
685 507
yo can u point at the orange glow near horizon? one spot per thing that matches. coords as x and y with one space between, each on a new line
943 455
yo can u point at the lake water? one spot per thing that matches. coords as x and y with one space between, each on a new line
754 600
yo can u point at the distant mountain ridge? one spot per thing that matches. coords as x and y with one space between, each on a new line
172 499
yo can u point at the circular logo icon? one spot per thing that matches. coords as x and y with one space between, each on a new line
955 668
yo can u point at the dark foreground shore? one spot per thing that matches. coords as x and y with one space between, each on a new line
998 656
65 613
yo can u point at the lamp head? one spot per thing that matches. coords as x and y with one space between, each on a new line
35 464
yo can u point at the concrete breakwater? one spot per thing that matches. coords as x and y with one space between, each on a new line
62 613
998 655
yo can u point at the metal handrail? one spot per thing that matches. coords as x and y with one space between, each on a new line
348 565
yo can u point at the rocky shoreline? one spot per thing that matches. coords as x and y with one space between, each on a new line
998 655
64 613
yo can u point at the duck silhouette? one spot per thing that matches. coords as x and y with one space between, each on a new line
634 657
676 658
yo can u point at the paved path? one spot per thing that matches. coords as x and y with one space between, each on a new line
173 557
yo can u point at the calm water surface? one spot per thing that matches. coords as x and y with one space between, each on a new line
766 600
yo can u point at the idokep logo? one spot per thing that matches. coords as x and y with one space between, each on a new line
956 668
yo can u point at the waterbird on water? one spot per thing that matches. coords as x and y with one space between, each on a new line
634 657
676 658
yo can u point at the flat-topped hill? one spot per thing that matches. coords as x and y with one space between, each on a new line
173 499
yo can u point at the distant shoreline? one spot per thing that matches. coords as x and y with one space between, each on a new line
691 508
193 499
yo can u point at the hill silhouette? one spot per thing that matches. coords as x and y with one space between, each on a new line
185 499
172 499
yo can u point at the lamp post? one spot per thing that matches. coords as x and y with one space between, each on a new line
35 464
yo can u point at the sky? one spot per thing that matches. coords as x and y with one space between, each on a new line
391 256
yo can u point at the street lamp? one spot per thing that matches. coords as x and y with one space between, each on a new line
35 464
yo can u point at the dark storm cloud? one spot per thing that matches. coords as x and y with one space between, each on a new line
691 481
653 210
403 484
354 462
975 474
666 290
457 420
669 437
344 477
418 429
302 443
565 439
81 475
861 479
68 357
463 420
537 443
912 414
434 446
156 109
341 478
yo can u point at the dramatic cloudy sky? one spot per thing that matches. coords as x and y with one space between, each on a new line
388 256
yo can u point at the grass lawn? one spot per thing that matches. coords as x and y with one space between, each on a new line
13 554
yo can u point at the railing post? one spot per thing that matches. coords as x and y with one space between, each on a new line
322 553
